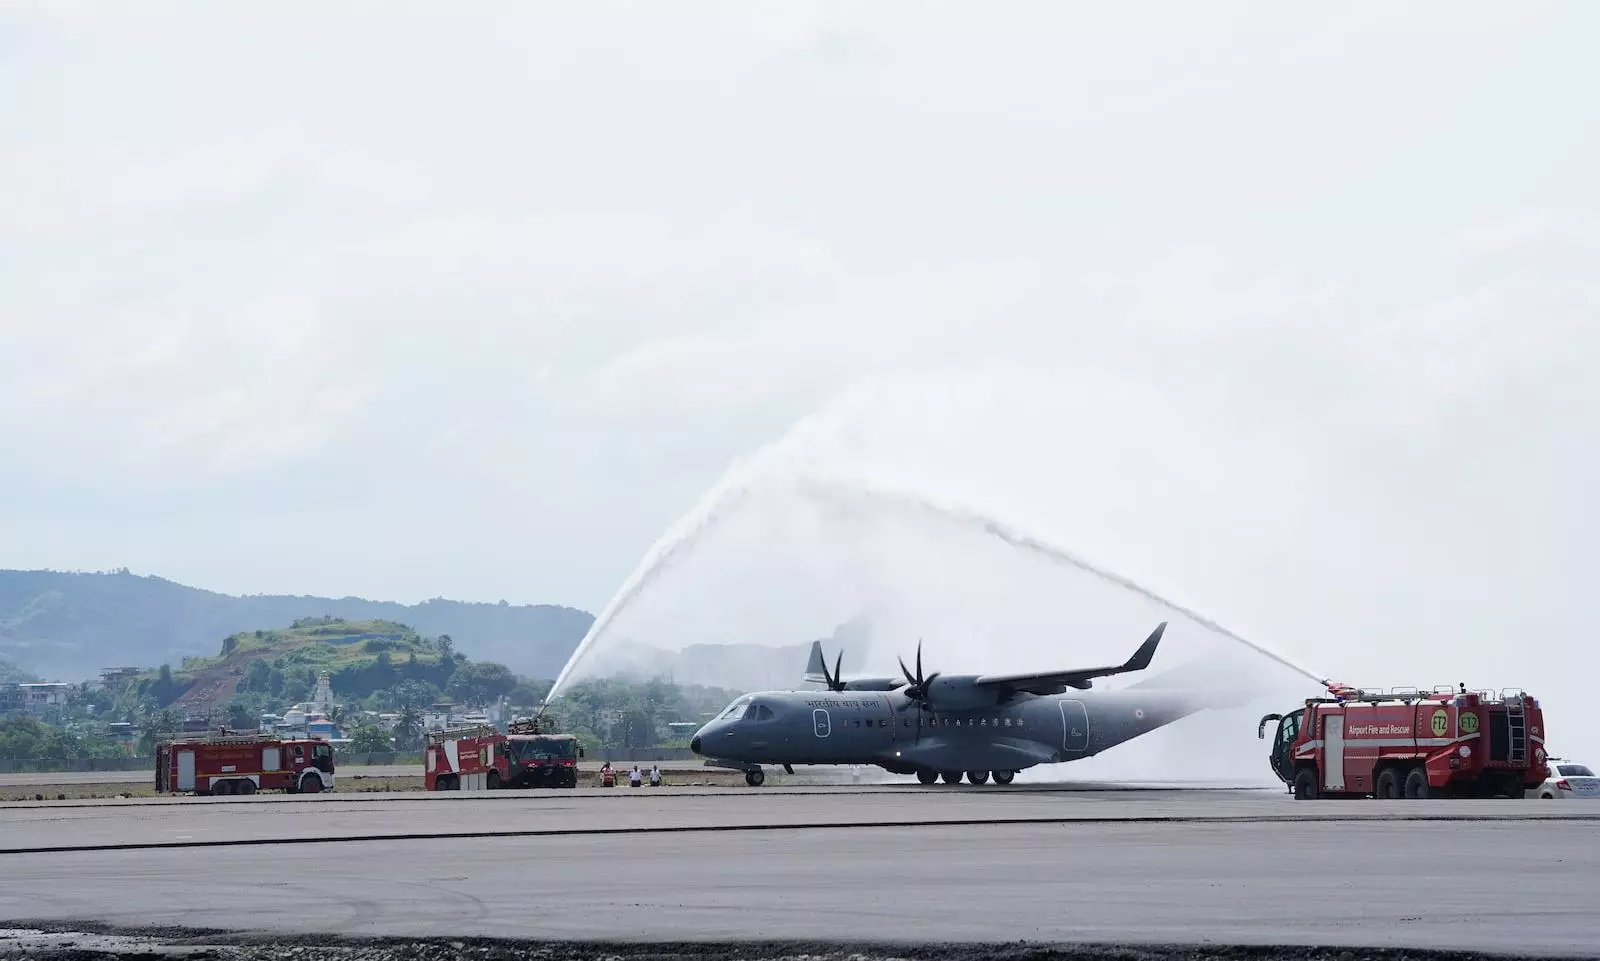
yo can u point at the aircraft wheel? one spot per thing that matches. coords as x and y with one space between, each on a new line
927 776
755 778
978 777
1004 777
951 777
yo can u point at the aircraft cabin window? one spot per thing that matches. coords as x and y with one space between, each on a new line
1008 722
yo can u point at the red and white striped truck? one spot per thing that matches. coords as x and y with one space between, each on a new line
243 763
1411 744
480 758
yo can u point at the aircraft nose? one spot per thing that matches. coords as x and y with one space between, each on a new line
694 745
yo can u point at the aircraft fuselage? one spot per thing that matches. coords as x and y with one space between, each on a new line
882 728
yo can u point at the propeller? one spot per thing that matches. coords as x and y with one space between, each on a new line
834 681
918 689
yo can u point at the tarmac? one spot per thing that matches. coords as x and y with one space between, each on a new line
942 864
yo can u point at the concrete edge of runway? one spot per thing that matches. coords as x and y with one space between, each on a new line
1087 820
118 940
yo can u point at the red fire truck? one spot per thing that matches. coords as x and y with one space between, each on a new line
241 763
1412 744
480 758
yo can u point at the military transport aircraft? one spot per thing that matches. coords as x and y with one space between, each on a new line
934 726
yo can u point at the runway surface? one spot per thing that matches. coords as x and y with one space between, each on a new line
923 864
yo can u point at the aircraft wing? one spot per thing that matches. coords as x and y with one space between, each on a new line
1054 682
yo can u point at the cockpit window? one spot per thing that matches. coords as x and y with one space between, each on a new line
766 713
734 709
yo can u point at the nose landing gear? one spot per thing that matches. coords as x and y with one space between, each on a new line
755 777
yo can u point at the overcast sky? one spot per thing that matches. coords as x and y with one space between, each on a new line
1290 312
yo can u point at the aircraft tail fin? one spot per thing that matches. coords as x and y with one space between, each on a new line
815 671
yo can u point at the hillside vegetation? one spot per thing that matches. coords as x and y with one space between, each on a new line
69 625
365 660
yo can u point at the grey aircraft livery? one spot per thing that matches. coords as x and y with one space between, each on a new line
933 726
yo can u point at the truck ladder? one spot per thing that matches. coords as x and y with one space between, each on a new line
1517 731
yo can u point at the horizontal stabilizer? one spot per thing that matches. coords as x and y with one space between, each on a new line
1055 682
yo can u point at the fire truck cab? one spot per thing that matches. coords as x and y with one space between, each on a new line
1412 744
227 762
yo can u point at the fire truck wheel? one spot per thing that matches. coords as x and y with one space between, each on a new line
1388 784
493 781
247 787
310 785
1417 783
1305 784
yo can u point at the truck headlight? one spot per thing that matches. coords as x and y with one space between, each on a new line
1465 750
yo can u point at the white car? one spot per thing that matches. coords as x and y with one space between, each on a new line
1569 780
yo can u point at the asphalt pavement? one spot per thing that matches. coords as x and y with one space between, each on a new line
972 865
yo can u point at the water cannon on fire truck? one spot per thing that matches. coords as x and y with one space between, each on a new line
1448 741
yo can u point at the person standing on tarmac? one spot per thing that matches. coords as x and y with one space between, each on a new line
655 775
634 777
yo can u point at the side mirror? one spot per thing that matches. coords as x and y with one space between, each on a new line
580 750
1261 729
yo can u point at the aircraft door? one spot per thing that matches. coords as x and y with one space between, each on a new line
819 721
1074 726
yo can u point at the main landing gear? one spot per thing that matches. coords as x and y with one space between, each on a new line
929 776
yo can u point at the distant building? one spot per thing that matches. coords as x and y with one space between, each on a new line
114 677
322 697
124 735
34 698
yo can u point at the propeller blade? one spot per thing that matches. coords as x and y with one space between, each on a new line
837 674
919 660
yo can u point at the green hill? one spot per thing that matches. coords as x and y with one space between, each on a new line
363 659
70 625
